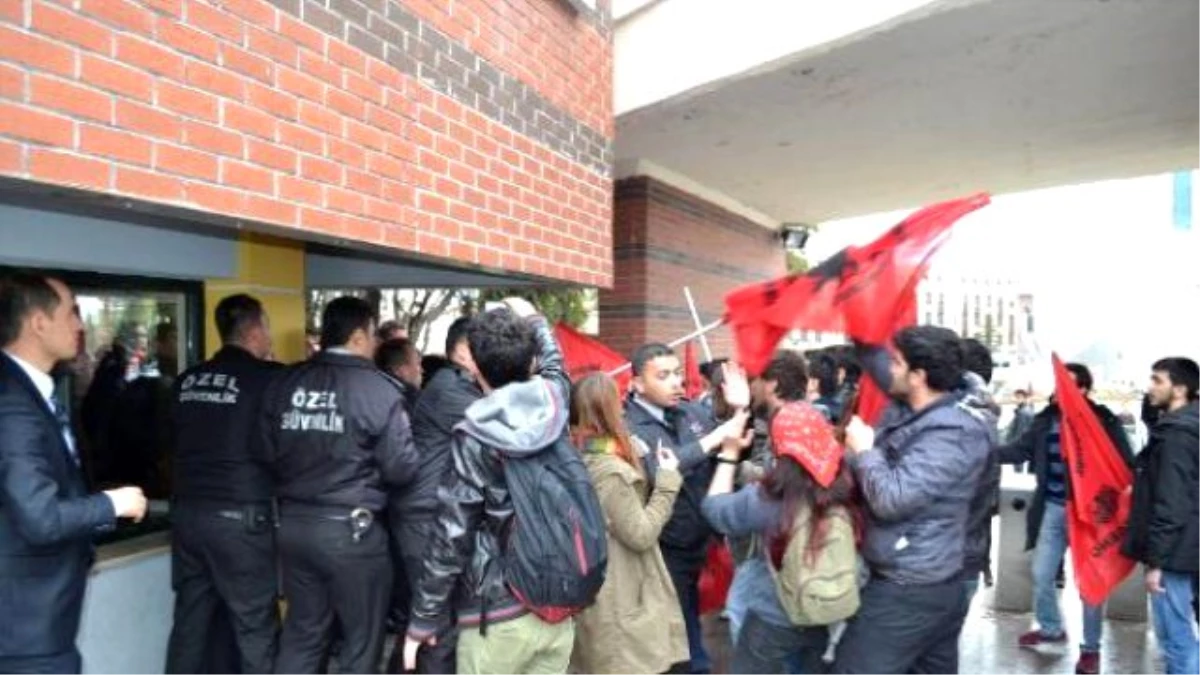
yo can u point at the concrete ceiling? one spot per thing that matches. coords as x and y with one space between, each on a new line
959 96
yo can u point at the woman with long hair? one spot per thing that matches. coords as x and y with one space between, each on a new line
635 625
807 511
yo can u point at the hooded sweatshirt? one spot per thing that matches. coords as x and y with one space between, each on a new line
465 557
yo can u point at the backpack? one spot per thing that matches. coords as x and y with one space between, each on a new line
556 551
825 591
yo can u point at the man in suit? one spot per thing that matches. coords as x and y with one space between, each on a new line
47 518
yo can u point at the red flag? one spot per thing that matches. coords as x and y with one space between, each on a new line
871 399
694 383
859 291
585 355
1101 493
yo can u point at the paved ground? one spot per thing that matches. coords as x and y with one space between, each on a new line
989 643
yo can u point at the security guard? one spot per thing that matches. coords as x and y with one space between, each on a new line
222 547
337 438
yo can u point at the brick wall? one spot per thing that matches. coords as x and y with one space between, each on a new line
666 239
478 132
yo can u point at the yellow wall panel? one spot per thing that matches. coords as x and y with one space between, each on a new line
271 270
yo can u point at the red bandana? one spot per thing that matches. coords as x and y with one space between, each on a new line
801 432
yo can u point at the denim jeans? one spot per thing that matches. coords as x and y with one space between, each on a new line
970 589
1047 556
769 648
737 608
1175 622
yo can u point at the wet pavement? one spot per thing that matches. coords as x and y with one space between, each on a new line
989 642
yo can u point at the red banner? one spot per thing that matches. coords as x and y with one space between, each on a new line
1101 493
860 291
694 382
585 355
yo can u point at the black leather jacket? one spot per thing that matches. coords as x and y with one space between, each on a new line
442 404
465 553
335 432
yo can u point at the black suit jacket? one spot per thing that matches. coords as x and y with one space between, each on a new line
47 521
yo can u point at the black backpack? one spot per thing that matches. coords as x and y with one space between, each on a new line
556 550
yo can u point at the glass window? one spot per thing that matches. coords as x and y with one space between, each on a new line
138 335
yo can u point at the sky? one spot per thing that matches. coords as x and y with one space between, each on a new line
1103 261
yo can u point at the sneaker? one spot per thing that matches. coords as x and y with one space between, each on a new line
1036 638
1089 663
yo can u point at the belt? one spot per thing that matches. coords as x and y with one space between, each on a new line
359 519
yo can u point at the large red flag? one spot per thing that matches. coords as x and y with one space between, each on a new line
1101 493
860 291
585 355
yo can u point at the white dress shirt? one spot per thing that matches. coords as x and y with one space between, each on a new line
45 386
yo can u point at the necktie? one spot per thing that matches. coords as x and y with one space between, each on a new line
64 426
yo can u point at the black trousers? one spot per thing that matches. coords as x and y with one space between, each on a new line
764 647
223 573
326 574
411 539
904 629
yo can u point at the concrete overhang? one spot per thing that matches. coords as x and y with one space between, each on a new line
952 97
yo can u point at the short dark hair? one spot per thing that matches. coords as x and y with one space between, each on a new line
824 367
1083 376
709 369
21 294
235 315
846 359
457 333
647 353
343 316
977 358
387 328
503 346
790 375
1181 371
394 353
430 365
934 350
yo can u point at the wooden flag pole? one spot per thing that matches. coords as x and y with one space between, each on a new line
702 330
687 293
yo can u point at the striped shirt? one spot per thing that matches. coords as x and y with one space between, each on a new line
1056 467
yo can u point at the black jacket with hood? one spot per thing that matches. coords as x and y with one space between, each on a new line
440 407
1163 525
465 555
1032 447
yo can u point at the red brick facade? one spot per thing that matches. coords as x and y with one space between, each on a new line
666 239
482 135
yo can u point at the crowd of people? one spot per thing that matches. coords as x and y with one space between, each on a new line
499 517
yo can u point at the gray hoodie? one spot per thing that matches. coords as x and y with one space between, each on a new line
474 505
520 418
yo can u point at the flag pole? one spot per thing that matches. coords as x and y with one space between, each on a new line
687 293
702 330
